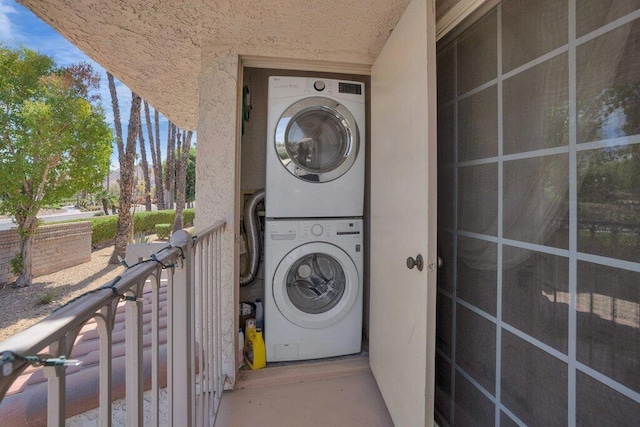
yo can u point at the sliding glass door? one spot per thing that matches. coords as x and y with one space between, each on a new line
539 216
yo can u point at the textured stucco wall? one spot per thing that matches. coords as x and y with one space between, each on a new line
56 247
153 46
216 175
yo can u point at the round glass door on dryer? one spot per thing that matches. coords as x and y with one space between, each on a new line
317 139
315 285
315 148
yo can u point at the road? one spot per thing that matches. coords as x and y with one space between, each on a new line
71 213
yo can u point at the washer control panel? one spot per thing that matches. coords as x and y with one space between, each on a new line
286 231
349 228
312 230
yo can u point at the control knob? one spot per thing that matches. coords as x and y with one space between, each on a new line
316 230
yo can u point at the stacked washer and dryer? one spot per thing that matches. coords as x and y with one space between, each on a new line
314 205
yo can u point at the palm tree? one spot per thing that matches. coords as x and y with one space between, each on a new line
126 158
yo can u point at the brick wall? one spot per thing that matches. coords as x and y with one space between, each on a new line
56 247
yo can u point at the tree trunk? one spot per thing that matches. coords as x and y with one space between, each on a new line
145 169
124 226
170 178
159 181
181 186
27 226
157 165
176 164
105 205
177 160
116 116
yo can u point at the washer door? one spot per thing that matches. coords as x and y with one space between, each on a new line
315 285
317 139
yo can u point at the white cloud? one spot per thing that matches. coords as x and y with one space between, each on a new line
6 28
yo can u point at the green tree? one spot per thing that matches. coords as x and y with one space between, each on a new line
55 141
106 198
191 176
182 159
190 195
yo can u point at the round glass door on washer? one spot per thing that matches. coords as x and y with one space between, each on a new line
315 152
315 285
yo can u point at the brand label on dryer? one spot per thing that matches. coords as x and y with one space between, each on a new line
284 84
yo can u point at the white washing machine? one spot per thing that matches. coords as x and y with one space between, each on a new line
313 288
315 148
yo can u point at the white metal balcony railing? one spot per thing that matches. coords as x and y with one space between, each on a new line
193 352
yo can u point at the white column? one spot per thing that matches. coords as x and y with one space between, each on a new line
217 177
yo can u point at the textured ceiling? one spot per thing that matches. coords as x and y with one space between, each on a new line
154 46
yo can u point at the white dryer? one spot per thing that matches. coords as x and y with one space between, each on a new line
315 148
313 294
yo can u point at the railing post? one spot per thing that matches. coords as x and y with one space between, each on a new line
105 328
56 395
133 359
181 293
56 385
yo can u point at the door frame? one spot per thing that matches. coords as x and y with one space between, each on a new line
303 65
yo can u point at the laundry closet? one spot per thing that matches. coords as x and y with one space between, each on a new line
305 143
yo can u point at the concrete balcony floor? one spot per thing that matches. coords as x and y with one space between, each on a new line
340 392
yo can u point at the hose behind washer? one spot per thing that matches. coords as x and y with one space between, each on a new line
252 228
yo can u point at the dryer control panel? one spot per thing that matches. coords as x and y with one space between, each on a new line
285 86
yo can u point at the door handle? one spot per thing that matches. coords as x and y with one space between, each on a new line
417 262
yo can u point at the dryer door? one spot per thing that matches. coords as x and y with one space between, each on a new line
315 285
317 139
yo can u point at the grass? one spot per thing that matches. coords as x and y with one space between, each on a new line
47 298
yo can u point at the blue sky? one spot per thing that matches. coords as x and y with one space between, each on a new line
21 28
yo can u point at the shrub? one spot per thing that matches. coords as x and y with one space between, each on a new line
46 298
189 216
146 221
17 264
163 231
104 227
